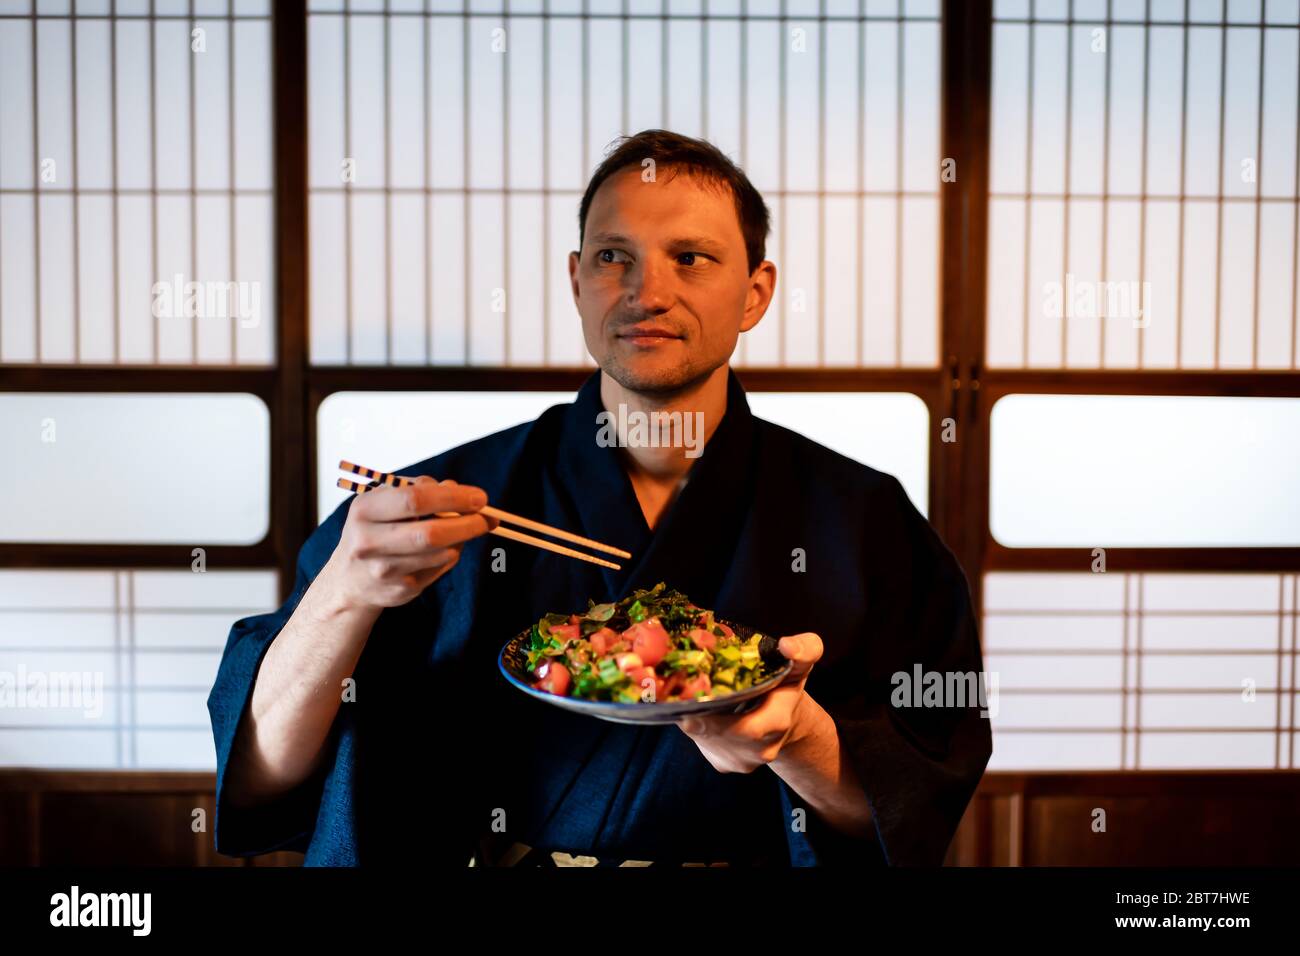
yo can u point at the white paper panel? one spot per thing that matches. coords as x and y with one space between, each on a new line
391 430
1094 113
143 126
134 654
1096 471
1141 671
432 107
136 468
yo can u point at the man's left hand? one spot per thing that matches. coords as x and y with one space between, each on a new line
741 743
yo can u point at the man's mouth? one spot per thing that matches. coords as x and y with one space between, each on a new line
647 335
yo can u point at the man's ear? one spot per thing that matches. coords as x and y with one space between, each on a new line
574 258
762 285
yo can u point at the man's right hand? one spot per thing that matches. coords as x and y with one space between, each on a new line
393 546
390 549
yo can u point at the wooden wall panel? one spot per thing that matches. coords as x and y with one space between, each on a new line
1182 830
15 826
113 818
1153 818
116 829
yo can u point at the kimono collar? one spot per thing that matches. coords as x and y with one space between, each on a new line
694 541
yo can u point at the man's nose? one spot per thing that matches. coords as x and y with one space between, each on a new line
649 287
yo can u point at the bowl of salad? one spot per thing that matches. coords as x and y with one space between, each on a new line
651 658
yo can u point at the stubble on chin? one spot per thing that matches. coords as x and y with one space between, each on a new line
661 380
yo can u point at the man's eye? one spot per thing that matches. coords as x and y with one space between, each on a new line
607 252
691 256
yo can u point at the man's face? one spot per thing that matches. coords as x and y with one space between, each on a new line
662 282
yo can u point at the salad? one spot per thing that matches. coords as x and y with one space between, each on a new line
654 645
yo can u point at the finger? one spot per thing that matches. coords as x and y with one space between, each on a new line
712 725
804 650
693 726
409 538
419 500
432 562
492 522
426 577
766 728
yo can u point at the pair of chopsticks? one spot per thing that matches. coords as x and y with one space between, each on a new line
379 478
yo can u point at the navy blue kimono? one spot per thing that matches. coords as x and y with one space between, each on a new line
437 745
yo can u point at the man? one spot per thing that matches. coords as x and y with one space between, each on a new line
365 721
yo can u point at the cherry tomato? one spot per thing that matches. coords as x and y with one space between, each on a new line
703 639
699 684
602 641
565 632
554 678
649 640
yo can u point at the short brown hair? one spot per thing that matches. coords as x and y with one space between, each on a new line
699 157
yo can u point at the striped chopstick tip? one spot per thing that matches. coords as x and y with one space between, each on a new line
345 465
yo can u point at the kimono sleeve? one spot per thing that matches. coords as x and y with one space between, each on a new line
919 765
287 822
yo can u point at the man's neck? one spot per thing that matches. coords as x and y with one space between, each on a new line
671 450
